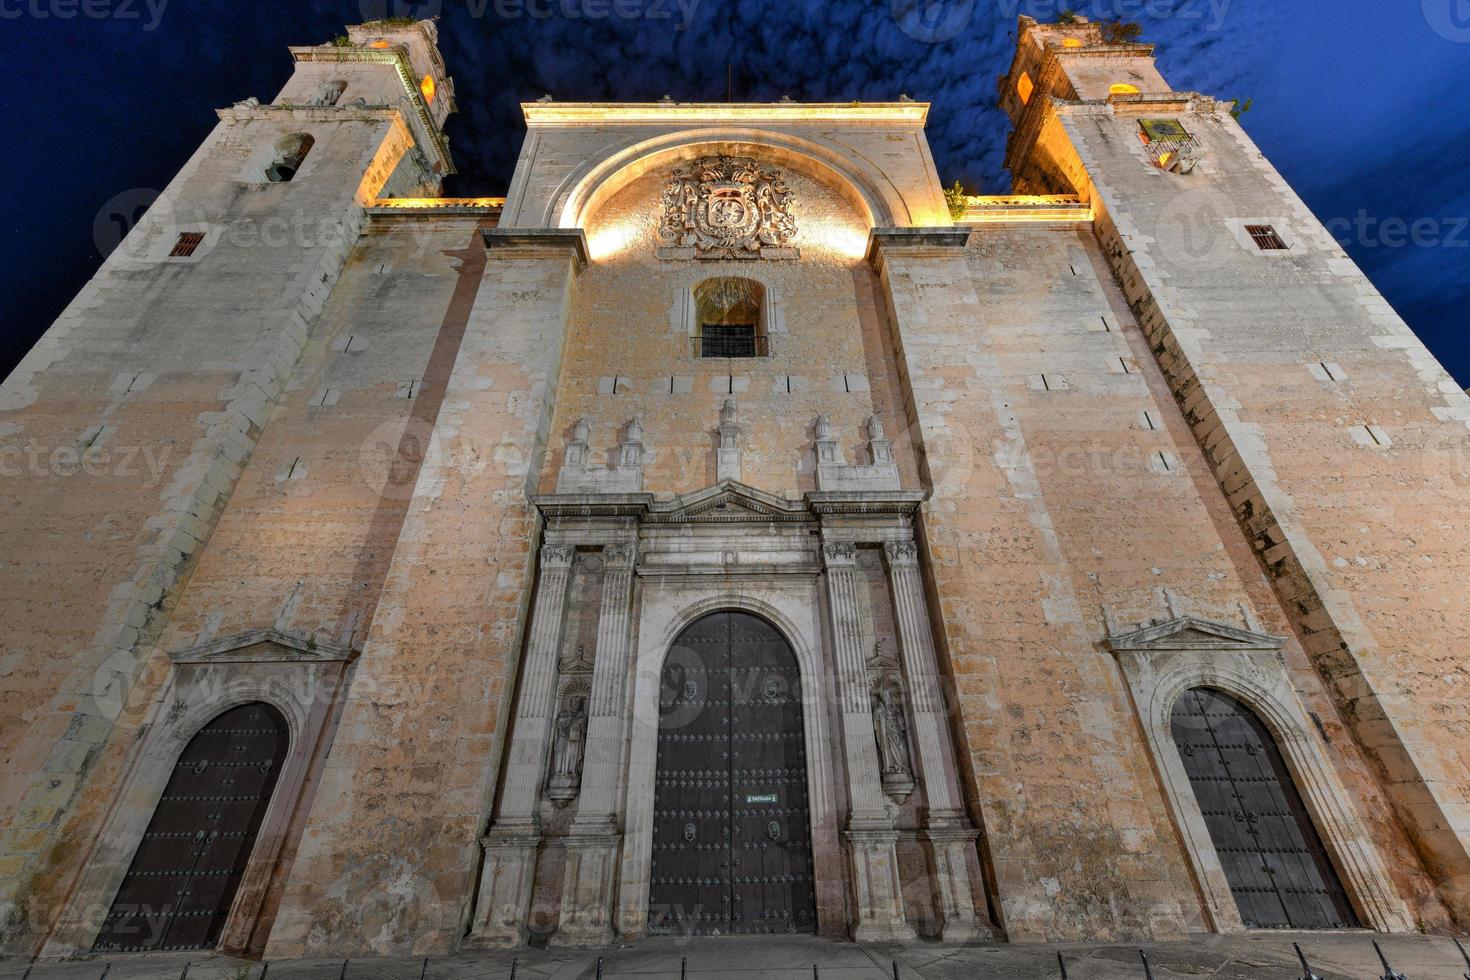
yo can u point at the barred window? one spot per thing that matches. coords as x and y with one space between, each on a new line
185 246
1266 238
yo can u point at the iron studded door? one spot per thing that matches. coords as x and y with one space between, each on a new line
732 837
1278 870
179 888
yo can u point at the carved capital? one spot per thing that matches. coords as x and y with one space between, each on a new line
557 556
619 555
840 554
901 552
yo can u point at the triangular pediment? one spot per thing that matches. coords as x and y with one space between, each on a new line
1192 633
728 501
264 646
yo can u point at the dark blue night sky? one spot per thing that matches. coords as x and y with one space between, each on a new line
1360 103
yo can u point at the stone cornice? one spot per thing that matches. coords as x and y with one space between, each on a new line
729 113
730 502
881 240
397 58
538 238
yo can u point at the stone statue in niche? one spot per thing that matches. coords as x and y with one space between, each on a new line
723 207
891 727
569 750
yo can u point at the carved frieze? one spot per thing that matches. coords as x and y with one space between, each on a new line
722 207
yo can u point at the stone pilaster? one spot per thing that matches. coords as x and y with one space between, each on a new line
870 834
592 846
946 827
510 846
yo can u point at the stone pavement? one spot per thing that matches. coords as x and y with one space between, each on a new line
1333 956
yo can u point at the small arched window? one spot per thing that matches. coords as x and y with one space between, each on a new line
728 318
290 152
1122 88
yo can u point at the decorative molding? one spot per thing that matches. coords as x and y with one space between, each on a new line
727 207
557 555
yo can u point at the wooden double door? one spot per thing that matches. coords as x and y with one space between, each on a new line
732 834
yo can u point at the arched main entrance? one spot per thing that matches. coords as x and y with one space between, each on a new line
179 888
731 832
1272 856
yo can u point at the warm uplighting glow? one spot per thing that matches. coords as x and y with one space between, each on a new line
1122 88
1072 42
1024 87
1023 208
380 44
428 87
611 239
438 202
846 241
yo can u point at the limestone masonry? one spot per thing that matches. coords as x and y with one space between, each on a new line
720 534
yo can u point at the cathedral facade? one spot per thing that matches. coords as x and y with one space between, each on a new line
726 532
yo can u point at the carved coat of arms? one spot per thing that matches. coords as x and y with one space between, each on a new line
727 208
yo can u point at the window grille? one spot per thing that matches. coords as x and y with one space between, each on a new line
1266 238
185 246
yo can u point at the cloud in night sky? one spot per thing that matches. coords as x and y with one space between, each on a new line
1356 103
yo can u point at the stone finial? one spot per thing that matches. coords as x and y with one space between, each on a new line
728 456
630 455
823 427
546 98
577 452
1171 603
904 97
666 100
874 426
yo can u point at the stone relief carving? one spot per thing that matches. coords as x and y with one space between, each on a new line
722 207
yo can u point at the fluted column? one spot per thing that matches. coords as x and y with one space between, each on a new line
592 845
870 834
947 829
510 846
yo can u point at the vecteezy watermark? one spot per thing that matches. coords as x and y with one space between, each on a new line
33 459
1370 231
656 10
935 21
1450 19
150 12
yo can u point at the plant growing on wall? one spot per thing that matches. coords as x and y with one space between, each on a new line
1119 32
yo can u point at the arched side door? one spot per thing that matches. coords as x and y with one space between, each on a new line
1279 872
179 888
